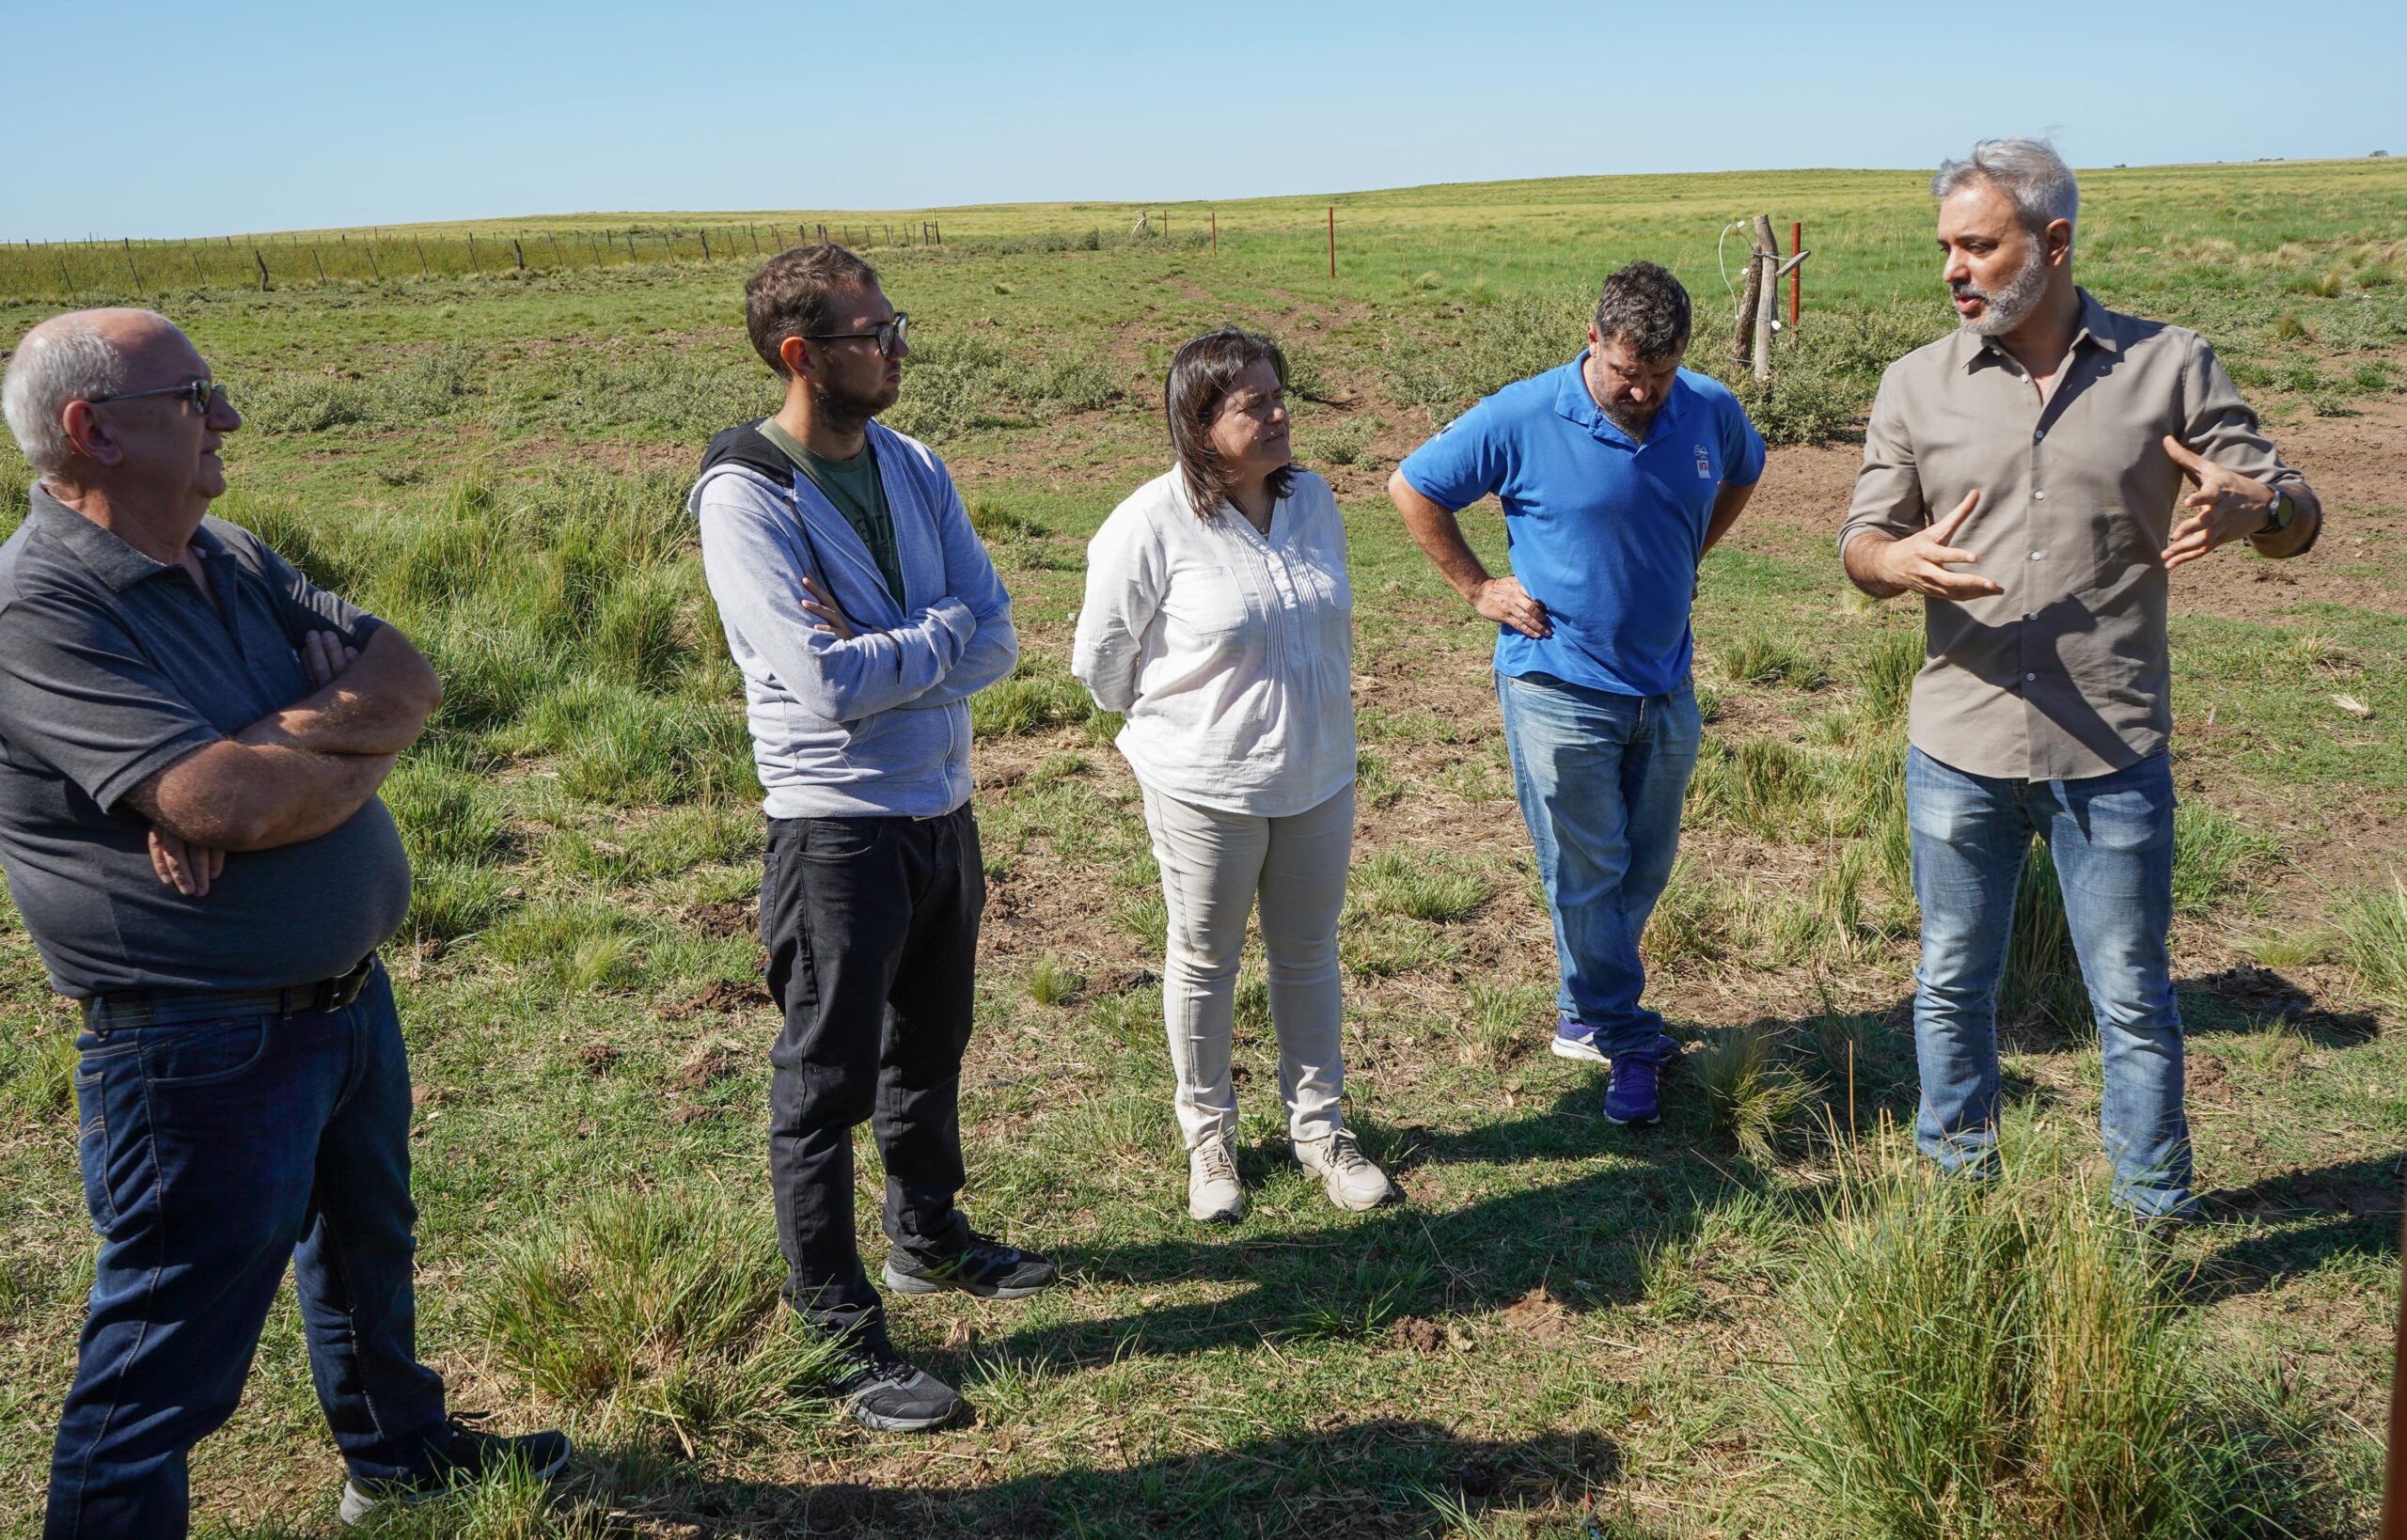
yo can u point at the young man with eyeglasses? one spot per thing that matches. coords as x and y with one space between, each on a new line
192 735
863 614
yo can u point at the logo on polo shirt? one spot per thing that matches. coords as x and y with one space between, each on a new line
1704 465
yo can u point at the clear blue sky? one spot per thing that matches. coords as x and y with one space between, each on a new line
170 119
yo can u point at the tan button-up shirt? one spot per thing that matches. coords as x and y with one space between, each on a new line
2066 673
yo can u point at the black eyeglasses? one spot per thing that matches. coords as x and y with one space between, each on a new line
198 393
894 334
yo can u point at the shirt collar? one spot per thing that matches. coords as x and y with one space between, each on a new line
102 554
1573 401
2099 327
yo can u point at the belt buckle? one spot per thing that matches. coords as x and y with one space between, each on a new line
335 994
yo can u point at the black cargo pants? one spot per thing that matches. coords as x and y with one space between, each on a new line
872 929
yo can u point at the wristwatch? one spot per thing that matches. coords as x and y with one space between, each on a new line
2278 517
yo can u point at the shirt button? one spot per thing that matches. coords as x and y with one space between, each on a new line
2030 676
2039 497
2037 433
2030 614
2037 555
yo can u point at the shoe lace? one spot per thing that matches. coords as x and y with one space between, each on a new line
1218 1164
1346 1155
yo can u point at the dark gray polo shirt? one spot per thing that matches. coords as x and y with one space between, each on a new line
113 668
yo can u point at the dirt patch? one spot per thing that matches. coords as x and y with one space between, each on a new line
722 996
1538 1316
599 1057
1421 1335
724 919
708 1065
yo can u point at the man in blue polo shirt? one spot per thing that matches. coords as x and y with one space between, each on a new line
1617 472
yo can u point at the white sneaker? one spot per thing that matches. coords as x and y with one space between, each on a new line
1213 1195
1349 1178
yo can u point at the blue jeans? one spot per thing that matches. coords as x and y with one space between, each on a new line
2112 840
213 1152
1600 779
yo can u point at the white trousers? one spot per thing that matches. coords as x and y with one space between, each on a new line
1215 866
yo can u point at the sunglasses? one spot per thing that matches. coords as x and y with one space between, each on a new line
199 393
894 334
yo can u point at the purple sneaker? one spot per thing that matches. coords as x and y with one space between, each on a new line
1574 1041
1633 1098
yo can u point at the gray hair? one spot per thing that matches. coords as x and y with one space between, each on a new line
66 358
2027 171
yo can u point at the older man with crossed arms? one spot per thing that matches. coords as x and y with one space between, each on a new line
2057 435
192 735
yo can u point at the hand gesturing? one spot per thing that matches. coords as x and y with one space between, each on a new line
2226 507
1926 563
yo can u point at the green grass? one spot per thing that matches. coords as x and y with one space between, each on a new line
1564 1318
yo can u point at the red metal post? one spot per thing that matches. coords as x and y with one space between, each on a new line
1797 274
1332 240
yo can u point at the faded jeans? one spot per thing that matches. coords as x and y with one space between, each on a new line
2112 840
1600 779
1215 867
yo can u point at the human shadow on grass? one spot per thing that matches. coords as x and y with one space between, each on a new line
2294 1222
1542 1255
2248 998
1387 1477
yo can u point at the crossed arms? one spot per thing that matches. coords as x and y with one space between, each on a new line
296 773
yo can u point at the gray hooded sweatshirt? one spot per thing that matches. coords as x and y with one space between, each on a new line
878 724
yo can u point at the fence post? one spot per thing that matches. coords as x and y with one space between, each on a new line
423 271
1768 297
1796 273
262 262
707 245
127 242
196 263
373 268
518 251
321 266
557 255
1332 240
472 253
69 279
1751 299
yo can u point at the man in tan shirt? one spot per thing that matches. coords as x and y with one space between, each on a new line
2056 436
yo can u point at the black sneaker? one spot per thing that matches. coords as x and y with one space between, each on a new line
889 1392
459 1455
984 1266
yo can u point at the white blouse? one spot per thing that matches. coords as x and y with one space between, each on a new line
1231 652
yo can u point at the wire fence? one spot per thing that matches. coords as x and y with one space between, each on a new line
81 269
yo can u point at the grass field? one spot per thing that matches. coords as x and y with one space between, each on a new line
1756 1320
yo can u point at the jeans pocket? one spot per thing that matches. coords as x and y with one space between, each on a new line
92 1149
206 1054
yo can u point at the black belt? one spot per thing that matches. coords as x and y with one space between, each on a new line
110 1012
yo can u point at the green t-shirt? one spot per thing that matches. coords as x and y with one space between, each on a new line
854 486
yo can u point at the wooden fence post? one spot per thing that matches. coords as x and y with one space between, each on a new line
69 279
373 268
472 253
127 242
1767 293
262 262
321 266
707 245
518 251
423 271
1741 341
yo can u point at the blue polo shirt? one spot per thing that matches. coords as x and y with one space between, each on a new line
1605 533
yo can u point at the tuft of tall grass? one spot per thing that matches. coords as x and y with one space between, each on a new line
1888 667
2042 988
1751 1092
1755 656
2373 942
1040 693
657 1308
1420 884
1976 1360
1052 982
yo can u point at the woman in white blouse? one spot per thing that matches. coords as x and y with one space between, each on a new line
1218 618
